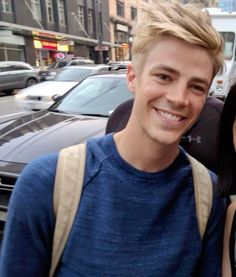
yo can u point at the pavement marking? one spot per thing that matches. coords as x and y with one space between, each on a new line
12 114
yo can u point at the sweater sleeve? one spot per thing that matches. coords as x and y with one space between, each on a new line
28 233
210 260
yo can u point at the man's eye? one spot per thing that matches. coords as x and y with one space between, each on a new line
199 88
163 77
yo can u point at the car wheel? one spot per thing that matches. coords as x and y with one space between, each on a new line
31 82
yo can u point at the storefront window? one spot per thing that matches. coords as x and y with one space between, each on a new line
9 52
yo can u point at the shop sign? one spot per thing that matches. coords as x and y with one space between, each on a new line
64 48
101 48
40 34
66 42
44 44
122 28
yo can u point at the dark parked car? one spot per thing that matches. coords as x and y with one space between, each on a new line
16 75
80 114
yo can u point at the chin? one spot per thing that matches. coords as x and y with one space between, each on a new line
166 141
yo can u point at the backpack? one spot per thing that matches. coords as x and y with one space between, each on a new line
68 188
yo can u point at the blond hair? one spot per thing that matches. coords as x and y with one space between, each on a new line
187 22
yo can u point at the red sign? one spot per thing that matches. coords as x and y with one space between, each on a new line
49 44
61 56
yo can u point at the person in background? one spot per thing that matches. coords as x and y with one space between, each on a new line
227 179
137 213
195 141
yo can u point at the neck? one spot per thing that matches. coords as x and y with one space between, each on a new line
145 154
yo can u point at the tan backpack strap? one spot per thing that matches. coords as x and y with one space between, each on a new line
66 196
203 191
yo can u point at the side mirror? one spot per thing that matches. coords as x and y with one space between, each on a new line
56 97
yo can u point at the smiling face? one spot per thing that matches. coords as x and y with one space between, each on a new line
170 90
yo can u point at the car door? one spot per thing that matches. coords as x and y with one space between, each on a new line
19 75
5 77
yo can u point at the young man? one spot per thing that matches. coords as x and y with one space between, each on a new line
137 212
195 141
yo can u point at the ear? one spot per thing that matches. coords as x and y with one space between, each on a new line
131 77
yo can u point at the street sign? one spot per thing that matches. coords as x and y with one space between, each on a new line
101 48
60 56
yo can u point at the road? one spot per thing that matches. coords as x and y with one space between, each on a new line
8 108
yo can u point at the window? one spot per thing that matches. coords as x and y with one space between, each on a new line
121 37
6 6
90 21
36 9
133 13
19 67
11 52
50 11
61 12
120 8
80 10
229 38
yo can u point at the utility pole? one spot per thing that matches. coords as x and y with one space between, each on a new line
99 30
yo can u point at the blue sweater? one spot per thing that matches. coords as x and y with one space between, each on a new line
129 222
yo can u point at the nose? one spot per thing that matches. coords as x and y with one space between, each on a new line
178 94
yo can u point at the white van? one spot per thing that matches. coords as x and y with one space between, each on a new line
225 23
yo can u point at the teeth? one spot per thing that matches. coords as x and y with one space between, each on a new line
169 116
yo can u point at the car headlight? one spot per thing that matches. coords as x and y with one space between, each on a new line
52 73
20 96
46 98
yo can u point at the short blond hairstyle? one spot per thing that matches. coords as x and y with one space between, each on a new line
187 22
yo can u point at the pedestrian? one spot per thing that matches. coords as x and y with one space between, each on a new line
227 178
195 141
137 214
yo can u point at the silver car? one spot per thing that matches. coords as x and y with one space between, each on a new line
16 75
41 96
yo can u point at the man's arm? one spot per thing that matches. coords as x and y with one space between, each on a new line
27 241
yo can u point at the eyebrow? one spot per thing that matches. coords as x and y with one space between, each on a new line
174 71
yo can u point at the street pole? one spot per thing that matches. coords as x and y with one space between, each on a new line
99 31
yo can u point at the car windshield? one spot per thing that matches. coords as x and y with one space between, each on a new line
73 74
56 65
95 96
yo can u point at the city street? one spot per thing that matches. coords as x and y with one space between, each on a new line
8 108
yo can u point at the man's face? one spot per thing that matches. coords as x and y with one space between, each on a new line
170 90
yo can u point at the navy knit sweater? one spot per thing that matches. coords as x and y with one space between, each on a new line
129 222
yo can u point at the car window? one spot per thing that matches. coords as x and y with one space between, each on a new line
56 65
103 69
95 96
73 74
19 67
5 68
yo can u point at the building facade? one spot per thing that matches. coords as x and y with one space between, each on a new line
204 3
42 31
122 15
